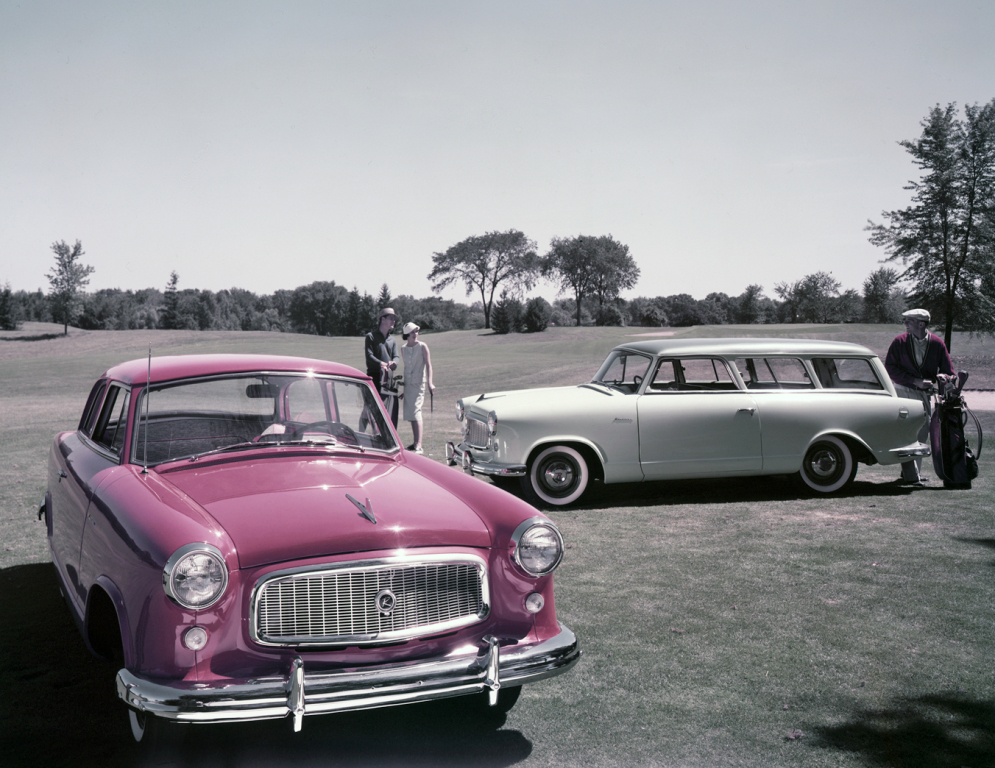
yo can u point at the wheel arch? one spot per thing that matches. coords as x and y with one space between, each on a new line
861 452
592 455
106 623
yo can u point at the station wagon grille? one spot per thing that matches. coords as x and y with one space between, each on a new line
369 603
477 434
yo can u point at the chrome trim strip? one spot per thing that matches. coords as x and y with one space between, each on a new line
373 565
301 693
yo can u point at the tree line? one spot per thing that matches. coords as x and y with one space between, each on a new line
324 308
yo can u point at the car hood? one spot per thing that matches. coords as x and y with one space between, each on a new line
539 401
278 509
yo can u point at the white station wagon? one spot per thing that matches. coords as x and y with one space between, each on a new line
668 409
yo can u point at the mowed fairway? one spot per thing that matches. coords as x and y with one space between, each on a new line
724 623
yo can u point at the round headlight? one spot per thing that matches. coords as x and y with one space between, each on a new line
538 547
195 576
492 422
459 410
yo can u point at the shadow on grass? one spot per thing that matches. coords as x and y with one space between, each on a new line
59 708
37 337
934 731
725 490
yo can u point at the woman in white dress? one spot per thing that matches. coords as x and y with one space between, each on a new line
417 377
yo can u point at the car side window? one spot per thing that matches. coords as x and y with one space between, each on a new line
113 421
92 409
846 373
774 373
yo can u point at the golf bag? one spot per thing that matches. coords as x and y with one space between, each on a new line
390 386
953 461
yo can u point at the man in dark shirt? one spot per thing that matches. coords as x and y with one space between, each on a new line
382 358
913 361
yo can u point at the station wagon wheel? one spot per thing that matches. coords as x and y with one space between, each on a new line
828 465
557 476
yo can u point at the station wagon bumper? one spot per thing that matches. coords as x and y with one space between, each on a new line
301 693
456 454
911 451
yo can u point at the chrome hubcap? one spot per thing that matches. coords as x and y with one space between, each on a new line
824 464
558 475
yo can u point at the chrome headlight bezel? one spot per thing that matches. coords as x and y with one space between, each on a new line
538 547
191 561
460 410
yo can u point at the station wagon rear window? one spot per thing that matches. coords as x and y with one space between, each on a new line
773 373
846 373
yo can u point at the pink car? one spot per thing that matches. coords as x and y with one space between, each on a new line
247 536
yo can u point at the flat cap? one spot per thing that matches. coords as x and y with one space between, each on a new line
917 314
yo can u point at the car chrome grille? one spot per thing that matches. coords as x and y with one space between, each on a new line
341 606
476 433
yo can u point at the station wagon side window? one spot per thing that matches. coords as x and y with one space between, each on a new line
113 420
846 373
693 374
774 373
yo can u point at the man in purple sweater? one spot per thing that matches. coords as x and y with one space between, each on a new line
914 358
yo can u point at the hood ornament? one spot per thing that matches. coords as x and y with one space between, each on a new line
366 511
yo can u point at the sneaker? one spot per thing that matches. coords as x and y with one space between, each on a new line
418 449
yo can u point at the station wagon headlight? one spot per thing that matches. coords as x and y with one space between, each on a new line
459 410
538 546
195 576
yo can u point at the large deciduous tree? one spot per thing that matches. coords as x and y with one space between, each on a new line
813 299
946 238
884 300
67 279
483 262
591 267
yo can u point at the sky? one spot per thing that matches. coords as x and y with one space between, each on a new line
267 145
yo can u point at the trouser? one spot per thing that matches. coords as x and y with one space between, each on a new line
912 469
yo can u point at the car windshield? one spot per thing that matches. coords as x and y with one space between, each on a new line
623 370
187 419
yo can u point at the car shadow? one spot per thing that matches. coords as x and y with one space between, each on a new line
725 490
931 731
59 707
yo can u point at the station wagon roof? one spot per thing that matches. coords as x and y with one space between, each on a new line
174 367
747 347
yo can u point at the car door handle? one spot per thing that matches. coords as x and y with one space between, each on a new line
903 413
62 474
746 410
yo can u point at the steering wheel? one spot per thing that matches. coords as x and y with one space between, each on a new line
636 381
334 428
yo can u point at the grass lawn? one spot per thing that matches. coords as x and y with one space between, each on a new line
724 623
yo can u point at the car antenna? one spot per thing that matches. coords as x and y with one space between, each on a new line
145 449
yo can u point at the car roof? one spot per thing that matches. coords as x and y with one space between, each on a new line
747 347
174 367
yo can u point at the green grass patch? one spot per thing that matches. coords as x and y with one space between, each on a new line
725 622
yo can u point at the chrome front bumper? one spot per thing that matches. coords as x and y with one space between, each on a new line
457 455
301 693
